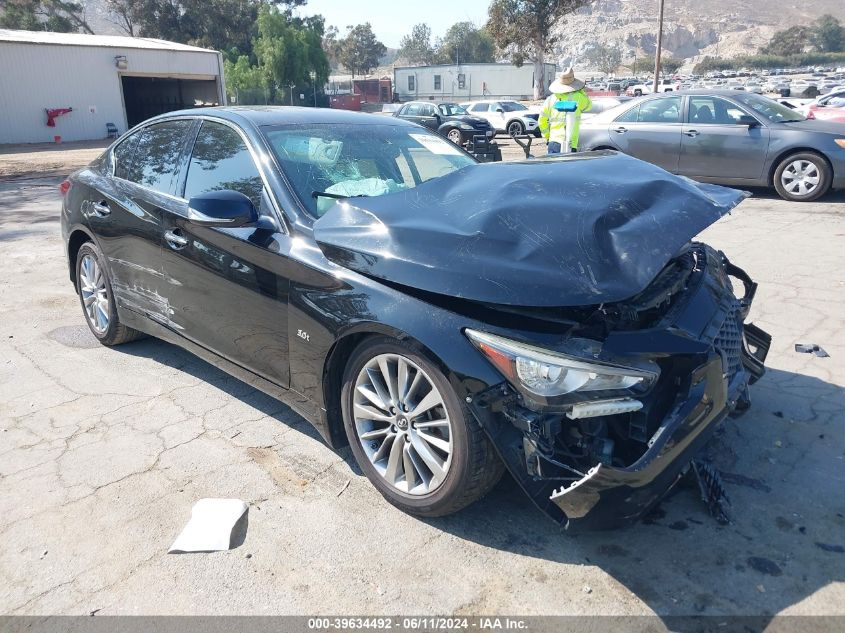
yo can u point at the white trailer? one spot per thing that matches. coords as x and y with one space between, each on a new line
465 82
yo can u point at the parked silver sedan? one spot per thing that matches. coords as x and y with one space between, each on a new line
727 137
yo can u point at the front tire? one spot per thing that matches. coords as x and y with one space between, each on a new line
455 136
95 296
416 442
802 177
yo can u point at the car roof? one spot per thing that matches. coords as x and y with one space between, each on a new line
719 92
286 115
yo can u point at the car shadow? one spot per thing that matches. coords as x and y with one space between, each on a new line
781 464
836 197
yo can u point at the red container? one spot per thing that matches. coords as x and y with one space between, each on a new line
57 139
345 102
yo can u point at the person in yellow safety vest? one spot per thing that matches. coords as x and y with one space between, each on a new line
552 122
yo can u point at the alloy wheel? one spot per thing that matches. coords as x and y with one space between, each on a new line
800 177
402 423
515 128
454 136
95 298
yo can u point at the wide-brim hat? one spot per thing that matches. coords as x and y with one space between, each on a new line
566 82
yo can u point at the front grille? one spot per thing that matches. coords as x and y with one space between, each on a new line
729 341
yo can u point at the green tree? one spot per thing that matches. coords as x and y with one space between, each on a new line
464 43
605 58
416 47
243 79
331 46
828 34
360 50
525 28
44 15
670 65
791 41
642 65
289 49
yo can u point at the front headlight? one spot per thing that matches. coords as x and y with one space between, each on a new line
466 126
550 374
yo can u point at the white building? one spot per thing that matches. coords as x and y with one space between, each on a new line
103 78
465 82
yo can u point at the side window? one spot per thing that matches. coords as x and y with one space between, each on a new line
703 110
413 109
157 156
221 160
411 83
479 107
437 83
428 110
661 111
629 116
123 154
462 81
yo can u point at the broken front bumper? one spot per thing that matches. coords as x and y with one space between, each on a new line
715 386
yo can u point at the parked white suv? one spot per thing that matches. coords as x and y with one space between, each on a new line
665 85
509 117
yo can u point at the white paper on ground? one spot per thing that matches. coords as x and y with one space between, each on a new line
210 527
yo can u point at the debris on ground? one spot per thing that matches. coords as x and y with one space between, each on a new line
210 527
713 491
343 487
811 348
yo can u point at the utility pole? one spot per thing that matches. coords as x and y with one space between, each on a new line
659 46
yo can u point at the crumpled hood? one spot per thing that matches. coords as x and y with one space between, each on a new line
577 230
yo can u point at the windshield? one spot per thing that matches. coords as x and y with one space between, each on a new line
770 109
451 109
327 161
512 106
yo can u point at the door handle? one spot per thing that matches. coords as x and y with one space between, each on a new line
101 209
692 133
621 130
175 239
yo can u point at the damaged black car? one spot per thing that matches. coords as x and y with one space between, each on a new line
447 319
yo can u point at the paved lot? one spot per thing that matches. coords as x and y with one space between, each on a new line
104 451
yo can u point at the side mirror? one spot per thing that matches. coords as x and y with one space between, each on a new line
500 110
747 119
222 208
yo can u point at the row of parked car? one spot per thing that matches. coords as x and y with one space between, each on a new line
461 122
722 136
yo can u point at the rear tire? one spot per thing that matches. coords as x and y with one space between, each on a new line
459 446
515 128
802 177
97 300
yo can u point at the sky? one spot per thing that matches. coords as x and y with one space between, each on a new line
393 19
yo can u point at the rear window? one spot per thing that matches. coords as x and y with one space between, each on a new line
157 154
327 162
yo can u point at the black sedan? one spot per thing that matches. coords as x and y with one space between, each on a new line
430 311
726 137
448 119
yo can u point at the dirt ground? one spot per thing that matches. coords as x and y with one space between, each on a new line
41 160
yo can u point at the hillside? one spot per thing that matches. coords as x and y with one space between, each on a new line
692 28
